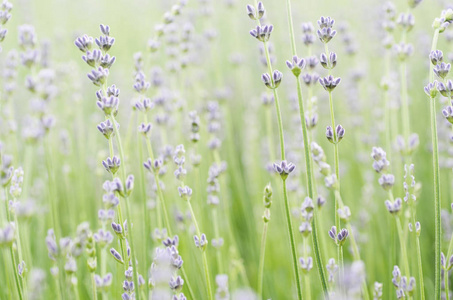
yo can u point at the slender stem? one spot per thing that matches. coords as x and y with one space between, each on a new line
307 274
405 103
93 284
147 223
420 269
402 245
16 274
310 185
418 251
54 209
341 271
437 204
446 288
216 234
156 178
308 162
187 283
261 263
291 239
103 264
269 134
128 213
205 260
388 136
160 202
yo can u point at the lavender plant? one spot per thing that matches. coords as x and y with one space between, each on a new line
164 199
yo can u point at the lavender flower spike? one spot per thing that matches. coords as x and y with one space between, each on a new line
329 83
112 164
296 65
98 76
445 89
284 168
432 89
262 33
84 43
273 82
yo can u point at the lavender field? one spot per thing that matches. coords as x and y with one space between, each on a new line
226 149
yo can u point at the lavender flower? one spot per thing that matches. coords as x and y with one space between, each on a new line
403 50
112 165
296 65
105 42
222 292
445 89
436 56
116 255
442 69
93 58
306 264
284 168
108 105
176 283
144 105
433 87
185 192
262 33
387 181
201 242
380 161
329 83
145 129
339 238
84 43
252 13
394 207
328 62
7 235
273 82
103 283
107 61
332 268
98 76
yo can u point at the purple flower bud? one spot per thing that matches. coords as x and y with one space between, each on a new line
329 83
84 43
436 57
98 76
112 165
284 168
442 69
116 255
93 58
330 135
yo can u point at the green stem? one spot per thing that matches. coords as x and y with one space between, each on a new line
402 245
310 184
205 260
307 274
420 269
388 137
437 204
291 239
405 103
93 284
160 202
261 263
446 288
215 220
126 200
16 274
269 134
